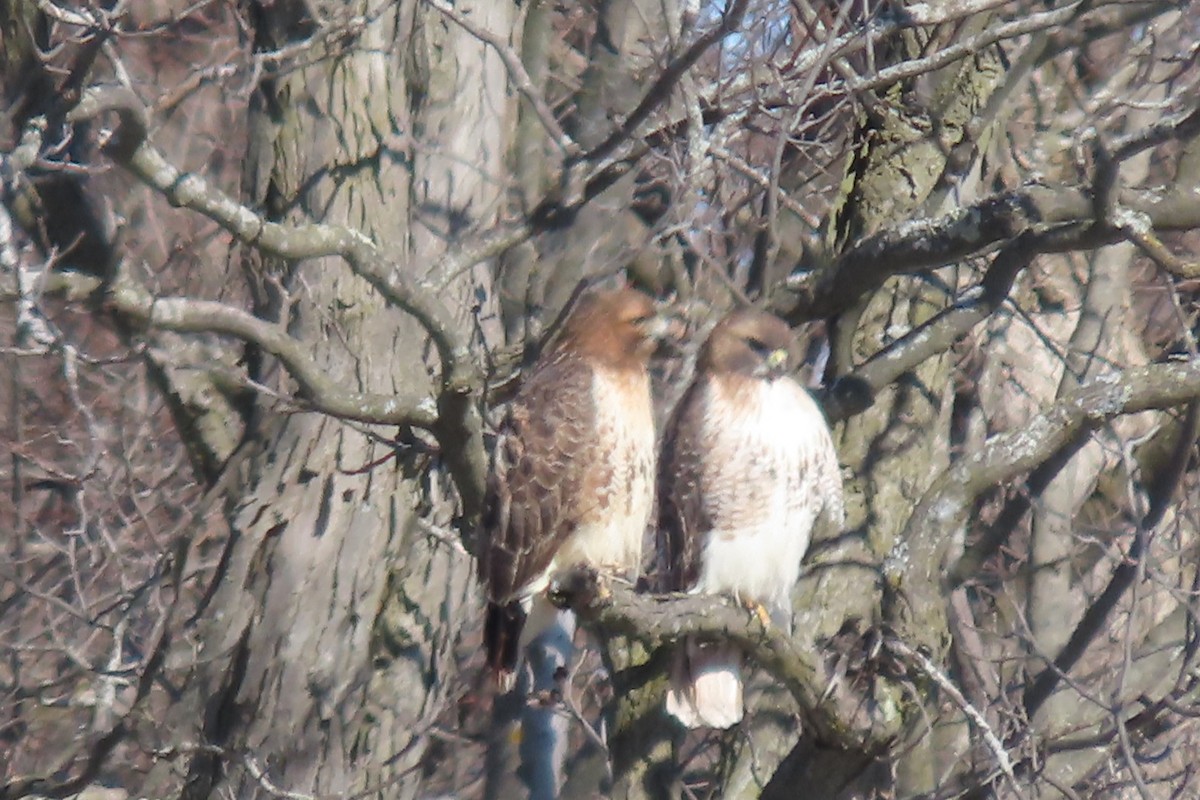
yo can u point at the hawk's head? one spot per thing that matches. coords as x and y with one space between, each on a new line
749 343
619 328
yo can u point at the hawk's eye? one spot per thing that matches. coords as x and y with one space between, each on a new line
759 347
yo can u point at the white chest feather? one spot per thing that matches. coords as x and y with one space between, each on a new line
621 497
768 460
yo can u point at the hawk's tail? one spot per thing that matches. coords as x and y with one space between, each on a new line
706 685
502 639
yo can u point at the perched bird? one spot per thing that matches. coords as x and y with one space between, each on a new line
746 470
572 474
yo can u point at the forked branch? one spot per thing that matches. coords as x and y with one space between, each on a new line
457 424
663 620
946 505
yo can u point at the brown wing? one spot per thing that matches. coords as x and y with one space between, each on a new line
682 519
538 471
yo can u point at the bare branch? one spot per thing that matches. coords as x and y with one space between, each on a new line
923 245
659 620
934 673
1096 616
102 744
458 424
938 13
945 506
853 393
517 74
667 78
1023 25
184 315
1140 231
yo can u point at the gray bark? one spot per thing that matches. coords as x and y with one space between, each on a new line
331 645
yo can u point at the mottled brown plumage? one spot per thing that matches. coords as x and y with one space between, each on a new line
573 468
747 467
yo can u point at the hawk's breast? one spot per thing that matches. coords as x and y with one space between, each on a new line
760 487
618 496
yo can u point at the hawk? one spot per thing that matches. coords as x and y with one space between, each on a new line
747 468
572 474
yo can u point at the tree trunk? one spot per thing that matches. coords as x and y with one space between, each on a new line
332 646
895 450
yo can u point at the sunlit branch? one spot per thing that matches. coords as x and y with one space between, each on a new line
317 390
923 245
945 507
516 73
458 424
658 620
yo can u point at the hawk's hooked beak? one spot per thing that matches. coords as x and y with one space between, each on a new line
777 363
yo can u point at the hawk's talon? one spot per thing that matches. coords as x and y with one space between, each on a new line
757 609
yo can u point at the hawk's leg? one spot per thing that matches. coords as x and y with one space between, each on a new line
756 608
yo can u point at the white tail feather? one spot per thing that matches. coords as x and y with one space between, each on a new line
706 685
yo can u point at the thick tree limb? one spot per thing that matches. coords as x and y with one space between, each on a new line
291 242
458 423
1013 219
186 315
1078 217
1014 510
853 393
945 507
925 245
658 620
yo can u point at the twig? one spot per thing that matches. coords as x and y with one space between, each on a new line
458 423
594 736
660 90
934 673
516 73
1123 576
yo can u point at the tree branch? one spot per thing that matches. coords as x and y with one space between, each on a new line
853 393
667 78
1067 217
185 315
516 73
658 620
934 673
101 745
927 244
945 507
1161 492
458 423
1013 218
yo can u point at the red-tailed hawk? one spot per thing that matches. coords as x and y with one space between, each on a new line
747 468
572 478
